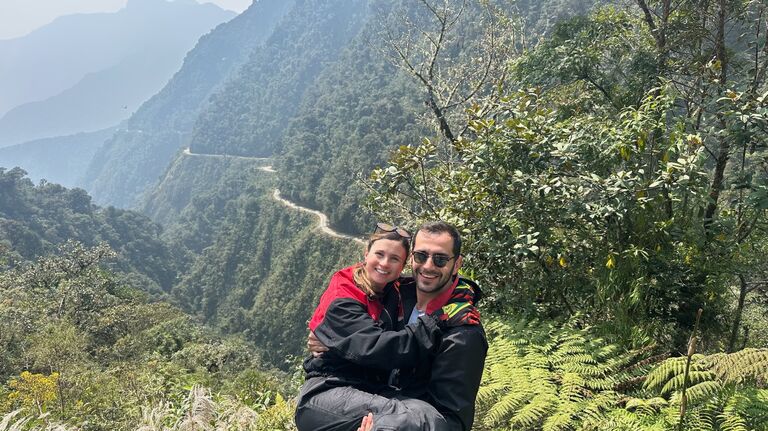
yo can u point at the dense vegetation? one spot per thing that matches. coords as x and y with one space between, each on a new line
250 115
621 189
608 190
253 267
359 109
82 348
35 219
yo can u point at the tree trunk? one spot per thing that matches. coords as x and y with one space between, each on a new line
717 182
725 145
737 317
440 116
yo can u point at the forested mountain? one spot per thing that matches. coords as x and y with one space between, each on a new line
265 271
137 155
255 267
82 347
61 80
250 115
34 220
359 109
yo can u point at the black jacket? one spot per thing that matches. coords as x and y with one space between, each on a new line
360 334
450 378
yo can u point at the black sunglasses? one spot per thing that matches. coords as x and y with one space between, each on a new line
384 227
440 260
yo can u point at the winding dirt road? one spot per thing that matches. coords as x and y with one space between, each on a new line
188 152
322 218
323 224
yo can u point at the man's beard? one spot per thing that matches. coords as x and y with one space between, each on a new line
442 282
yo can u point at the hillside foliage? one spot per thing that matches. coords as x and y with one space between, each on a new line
605 190
35 219
554 376
83 348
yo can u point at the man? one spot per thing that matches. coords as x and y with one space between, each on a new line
450 379
450 382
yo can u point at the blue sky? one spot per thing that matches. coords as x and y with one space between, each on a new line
19 17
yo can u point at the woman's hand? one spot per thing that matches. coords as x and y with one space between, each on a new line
367 424
315 347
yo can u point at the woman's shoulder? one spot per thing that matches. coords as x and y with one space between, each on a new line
342 284
344 275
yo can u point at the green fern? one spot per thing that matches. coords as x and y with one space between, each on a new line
532 414
746 365
725 391
670 369
540 376
695 377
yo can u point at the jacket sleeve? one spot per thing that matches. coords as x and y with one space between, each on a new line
349 332
456 372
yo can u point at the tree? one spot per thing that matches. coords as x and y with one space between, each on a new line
455 50
601 205
34 390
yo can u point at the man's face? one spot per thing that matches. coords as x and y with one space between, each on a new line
429 277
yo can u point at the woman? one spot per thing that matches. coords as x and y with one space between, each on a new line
356 319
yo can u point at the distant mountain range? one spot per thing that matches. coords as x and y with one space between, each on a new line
60 160
133 159
87 72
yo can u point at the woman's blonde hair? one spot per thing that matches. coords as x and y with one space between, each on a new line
361 275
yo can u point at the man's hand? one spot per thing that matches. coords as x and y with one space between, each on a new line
367 424
315 347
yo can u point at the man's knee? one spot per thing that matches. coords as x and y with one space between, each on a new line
340 408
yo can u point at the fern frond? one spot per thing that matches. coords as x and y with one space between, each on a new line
703 391
592 410
535 411
667 370
746 410
694 377
604 383
539 376
503 408
646 407
572 387
560 420
738 367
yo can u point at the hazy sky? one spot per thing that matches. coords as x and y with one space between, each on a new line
19 17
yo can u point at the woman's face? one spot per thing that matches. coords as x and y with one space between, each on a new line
384 262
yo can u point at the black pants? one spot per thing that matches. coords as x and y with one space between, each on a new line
324 406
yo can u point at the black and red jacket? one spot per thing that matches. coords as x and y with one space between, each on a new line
450 377
359 332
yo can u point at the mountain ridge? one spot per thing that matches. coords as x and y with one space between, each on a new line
166 119
62 61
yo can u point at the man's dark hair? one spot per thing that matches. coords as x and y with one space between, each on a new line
437 227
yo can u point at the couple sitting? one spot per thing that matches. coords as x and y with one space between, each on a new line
392 352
